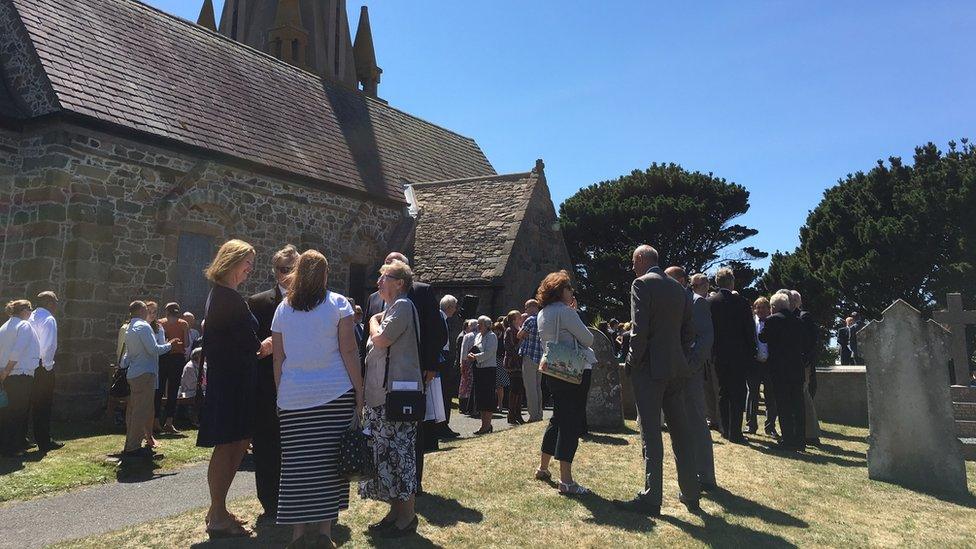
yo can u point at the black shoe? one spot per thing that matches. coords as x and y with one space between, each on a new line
691 504
786 446
638 505
772 433
739 440
813 442
51 445
751 430
381 525
266 519
142 454
707 486
449 435
394 532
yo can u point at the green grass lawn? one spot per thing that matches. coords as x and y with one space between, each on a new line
482 494
82 461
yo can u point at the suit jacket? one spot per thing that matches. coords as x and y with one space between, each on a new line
701 349
263 307
844 341
784 335
433 331
663 328
735 329
811 335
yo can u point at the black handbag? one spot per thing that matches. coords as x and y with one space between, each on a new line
405 405
120 385
355 455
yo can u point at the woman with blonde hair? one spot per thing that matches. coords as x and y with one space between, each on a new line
20 354
230 348
320 391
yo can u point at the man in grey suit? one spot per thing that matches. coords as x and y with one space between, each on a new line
701 353
661 337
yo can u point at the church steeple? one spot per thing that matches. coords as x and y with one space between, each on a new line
328 47
288 39
367 72
207 18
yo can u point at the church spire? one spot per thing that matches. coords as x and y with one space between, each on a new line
288 39
367 72
207 18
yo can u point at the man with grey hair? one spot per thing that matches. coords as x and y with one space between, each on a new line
450 375
42 390
811 338
530 348
735 349
783 336
662 336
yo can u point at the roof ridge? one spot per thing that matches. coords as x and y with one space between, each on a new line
497 177
289 66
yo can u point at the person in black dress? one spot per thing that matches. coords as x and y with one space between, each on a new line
231 348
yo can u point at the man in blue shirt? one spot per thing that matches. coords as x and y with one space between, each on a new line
531 350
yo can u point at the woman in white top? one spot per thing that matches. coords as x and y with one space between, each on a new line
485 369
20 355
559 322
320 390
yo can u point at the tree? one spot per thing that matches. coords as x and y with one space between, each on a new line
897 231
686 215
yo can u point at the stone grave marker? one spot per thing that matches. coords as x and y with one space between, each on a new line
912 438
603 406
956 318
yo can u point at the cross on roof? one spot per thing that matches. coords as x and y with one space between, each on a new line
955 318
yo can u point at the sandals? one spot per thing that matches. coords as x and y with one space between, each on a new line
573 489
233 531
545 475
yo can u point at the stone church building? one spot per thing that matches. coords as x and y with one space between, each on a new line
133 142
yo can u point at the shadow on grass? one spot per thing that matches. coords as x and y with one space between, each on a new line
744 507
840 436
716 531
16 463
819 459
966 500
606 439
440 511
605 514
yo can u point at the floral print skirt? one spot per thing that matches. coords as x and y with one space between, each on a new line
467 378
394 455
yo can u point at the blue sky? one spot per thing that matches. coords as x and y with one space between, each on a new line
783 97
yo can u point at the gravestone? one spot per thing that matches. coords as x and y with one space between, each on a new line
956 318
603 406
912 438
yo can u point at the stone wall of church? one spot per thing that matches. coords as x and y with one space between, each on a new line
539 250
102 220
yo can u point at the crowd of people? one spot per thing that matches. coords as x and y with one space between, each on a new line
28 343
284 373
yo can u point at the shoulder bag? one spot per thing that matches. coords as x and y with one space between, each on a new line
563 361
405 405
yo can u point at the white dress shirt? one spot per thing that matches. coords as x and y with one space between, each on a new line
46 328
762 349
18 343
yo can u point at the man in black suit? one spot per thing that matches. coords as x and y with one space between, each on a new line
735 349
810 348
844 342
433 337
267 438
855 328
784 337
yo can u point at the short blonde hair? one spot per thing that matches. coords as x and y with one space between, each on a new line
761 300
400 271
779 302
228 256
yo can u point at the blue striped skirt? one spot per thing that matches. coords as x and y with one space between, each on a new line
311 489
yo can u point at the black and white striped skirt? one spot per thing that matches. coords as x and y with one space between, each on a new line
311 489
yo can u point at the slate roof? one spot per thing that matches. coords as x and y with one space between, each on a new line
467 227
123 62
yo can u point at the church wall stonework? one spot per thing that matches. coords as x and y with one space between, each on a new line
539 249
97 217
